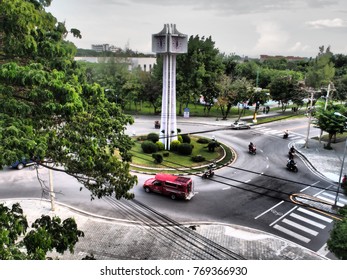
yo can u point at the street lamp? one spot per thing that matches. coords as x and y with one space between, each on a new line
343 162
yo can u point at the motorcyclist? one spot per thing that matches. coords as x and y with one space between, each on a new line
286 134
291 152
291 162
251 146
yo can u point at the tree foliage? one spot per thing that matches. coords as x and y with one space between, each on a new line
46 234
337 242
50 113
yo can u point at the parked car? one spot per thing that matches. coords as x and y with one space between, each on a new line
20 164
240 125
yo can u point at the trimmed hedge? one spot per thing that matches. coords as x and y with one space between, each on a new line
154 137
158 158
185 138
149 147
203 140
198 158
185 149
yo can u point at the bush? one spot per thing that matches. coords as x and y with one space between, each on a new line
212 145
160 145
185 138
179 138
154 137
158 158
166 154
198 158
174 145
203 140
149 147
185 149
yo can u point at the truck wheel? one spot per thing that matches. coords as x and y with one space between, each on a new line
173 197
147 190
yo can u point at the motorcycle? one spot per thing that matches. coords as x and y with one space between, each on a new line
292 167
207 174
252 150
285 135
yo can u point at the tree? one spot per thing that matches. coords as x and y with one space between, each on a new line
322 70
337 242
327 121
49 112
47 234
281 89
198 72
233 93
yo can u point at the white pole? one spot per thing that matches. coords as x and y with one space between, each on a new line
309 121
51 189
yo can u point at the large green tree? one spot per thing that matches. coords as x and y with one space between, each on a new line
49 112
46 234
198 72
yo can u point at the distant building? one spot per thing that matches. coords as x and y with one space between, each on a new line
144 63
264 57
101 47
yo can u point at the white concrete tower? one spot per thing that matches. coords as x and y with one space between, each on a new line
169 42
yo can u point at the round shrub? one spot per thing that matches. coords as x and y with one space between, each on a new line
203 140
185 138
166 154
154 137
158 158
174 145
149 147
179 138
185 149
160 145
198 158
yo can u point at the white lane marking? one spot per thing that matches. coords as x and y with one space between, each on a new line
308 221
228 188
268 210
329 200
300 227
248 181
292 233
344 201
313 214
312 185
291 210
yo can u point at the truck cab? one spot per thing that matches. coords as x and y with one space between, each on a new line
170 185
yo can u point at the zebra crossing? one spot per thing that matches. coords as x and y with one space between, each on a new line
303 224
274 132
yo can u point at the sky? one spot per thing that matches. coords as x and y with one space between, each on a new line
242 27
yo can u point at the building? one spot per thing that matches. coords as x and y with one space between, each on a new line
144 63
101 47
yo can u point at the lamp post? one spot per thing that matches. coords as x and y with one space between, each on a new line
343 162
309 121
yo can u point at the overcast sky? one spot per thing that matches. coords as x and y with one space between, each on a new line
244 27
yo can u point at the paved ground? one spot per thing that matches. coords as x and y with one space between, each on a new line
113 239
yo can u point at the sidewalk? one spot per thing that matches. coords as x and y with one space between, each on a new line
114 239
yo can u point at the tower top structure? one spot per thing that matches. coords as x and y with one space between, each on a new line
169 41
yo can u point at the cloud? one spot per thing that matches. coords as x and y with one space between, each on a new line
327 23
272 39
299 47
239 7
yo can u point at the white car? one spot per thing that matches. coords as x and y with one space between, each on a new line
240 125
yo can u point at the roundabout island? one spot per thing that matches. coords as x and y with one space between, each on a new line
188 155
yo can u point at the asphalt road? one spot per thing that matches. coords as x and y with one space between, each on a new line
254 191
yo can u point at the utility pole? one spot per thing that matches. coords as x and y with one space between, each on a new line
309 121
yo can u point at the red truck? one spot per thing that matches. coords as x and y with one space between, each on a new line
170 185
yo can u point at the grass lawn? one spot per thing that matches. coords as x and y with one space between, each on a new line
179 162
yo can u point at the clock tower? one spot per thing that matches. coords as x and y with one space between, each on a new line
169 42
